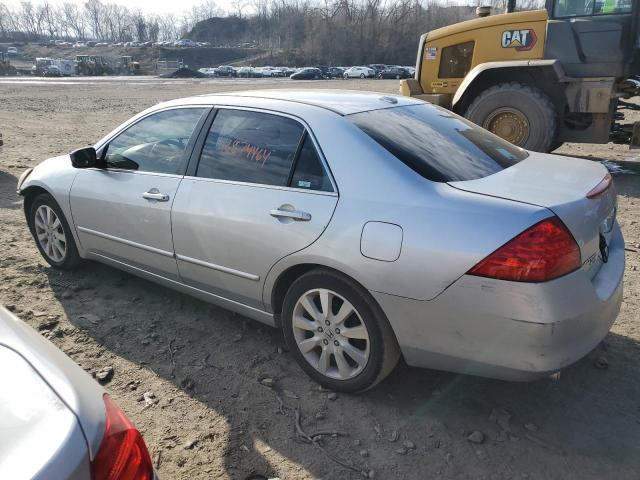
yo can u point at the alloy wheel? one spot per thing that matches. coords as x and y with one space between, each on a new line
50 233
330 334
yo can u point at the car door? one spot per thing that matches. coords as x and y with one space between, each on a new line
123 212
260 192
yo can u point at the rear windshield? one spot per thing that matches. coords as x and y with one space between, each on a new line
438 144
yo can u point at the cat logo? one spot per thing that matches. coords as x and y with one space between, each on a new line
521 40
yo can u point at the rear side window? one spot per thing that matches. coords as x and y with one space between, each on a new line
455 61
250 147
309 172
438 144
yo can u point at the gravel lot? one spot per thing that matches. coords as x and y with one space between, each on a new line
192 376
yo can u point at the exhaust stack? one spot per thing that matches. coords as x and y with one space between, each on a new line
511 6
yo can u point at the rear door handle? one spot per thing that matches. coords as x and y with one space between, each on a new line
293 214
154 194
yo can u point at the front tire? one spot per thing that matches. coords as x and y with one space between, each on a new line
52 233
337 333
520 114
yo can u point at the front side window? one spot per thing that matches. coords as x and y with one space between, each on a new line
437 144
250 147
156 143
455 61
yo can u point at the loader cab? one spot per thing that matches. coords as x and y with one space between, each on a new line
594 38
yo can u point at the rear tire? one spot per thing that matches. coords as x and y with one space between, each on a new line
518 113
364 333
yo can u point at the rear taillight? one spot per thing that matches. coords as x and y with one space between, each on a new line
543 252
123 454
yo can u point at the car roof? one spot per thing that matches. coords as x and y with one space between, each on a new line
342 102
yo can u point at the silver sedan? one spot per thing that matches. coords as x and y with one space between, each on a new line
365 226
56 422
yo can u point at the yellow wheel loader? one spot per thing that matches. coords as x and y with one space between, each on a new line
537 78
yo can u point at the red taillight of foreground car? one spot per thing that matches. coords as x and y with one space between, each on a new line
123 454
543 252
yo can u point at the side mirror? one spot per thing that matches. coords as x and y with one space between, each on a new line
84 158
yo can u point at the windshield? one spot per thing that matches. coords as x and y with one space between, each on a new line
438 144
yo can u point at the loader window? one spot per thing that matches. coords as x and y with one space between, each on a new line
455 61
438 144
587 8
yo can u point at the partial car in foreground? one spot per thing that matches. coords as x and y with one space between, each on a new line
363 225
56 421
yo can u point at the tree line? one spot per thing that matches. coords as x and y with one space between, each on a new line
96 20
327 31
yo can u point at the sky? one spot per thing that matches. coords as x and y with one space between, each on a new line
156 6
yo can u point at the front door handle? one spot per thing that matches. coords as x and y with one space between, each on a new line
292 214
154 194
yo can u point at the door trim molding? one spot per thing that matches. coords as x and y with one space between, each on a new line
220 268
113 238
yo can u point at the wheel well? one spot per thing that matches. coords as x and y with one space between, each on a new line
29 195
542 78
287 277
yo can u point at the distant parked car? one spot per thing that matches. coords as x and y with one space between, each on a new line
57 422
225 71
12 51
209 72
307 74
359 72
411 70
52 71
287 71
271 72
394 72
379 67
324 69
334 72
249 72
185 42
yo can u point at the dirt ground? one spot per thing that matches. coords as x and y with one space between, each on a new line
189 374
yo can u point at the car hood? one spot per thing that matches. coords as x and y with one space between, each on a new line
560 184
75 389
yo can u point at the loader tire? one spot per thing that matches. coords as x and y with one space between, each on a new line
521 114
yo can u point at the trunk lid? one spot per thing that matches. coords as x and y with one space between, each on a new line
560 184
39 432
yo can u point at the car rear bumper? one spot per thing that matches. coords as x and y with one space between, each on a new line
510 330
